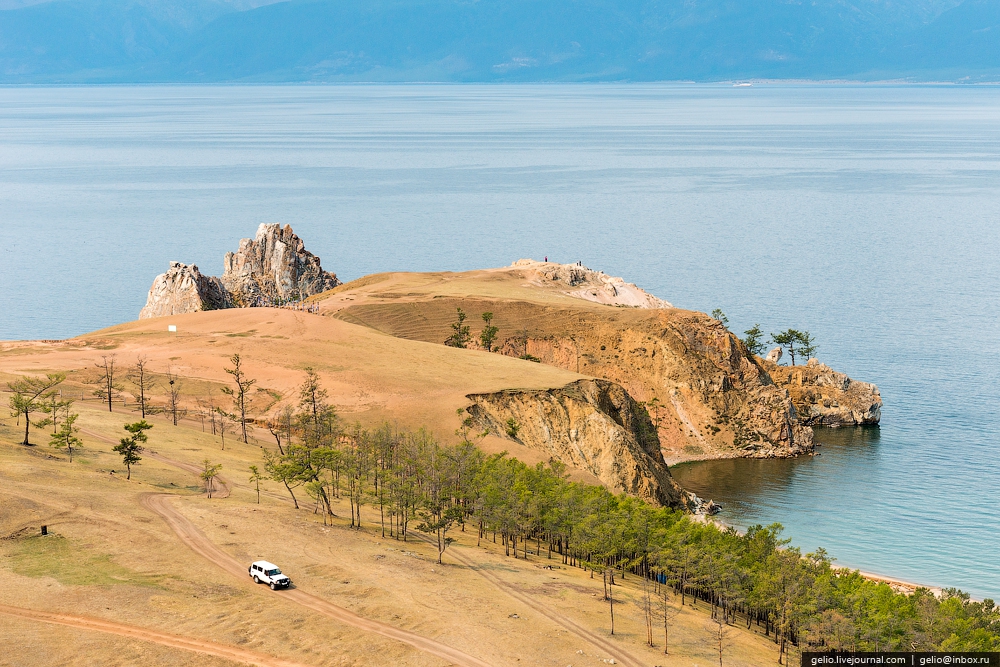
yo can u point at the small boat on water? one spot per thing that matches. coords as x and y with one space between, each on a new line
742 85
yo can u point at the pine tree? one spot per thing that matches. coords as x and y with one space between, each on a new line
489 332
461 332
66 435
132 446
754 340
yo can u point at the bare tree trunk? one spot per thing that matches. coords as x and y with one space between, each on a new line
611 597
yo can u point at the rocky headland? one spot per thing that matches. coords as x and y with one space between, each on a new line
824 397
663 384
272 268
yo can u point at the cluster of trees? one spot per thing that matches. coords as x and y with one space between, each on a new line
400 481
792 341
403 482
795 342
32 395
29 395
461 333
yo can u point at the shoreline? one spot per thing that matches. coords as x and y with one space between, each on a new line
896 584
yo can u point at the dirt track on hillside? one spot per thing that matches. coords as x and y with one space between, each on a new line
174 641
618 653
159 503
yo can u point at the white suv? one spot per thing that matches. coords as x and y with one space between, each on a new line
268 573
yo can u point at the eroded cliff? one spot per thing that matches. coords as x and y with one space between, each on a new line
270 269
709 397
824 397
593 425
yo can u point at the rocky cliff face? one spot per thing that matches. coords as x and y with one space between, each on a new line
824 397
274 267
183 289
589 424
709 397
267 270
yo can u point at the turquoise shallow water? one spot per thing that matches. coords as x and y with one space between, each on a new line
867 215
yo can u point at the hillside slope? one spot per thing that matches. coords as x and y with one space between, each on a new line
371 377
707 395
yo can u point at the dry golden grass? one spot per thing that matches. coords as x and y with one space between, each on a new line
111 558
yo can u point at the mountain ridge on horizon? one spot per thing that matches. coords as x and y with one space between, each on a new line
215 41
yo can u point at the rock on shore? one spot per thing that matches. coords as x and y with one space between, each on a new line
267 270
824 397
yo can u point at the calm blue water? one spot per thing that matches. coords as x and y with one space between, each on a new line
866 215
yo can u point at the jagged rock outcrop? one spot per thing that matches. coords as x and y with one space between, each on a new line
593 425
183 289
272 268
774 356
824 397
590 285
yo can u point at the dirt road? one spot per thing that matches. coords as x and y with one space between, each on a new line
159 503
174 641
613 651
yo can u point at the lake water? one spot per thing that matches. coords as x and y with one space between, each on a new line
869 216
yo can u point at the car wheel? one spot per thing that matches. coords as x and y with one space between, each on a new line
273 586
255 579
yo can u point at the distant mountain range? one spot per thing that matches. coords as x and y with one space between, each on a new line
121 41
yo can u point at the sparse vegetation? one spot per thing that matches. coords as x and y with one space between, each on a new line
131 447
208 474
256 477
717 314
754 340
489 333
240 394
461 332
787 340
142 380
66 435
29 395
72 563
109 388
754 578
807 345
173 396
796 342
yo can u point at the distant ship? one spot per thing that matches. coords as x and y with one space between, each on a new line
742 85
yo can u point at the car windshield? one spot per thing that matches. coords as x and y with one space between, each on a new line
273 572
